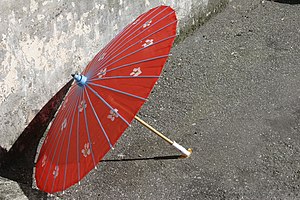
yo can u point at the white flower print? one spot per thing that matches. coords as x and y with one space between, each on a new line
55 171
82 106
44 160
86 150
147 43
101 57
113 114
102 73
147 23
64 124
136 72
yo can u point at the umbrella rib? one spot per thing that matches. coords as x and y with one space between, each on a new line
119 91
59 135
77 143
107 104
68 148
122 33
88 133
138 62
98 120
121 77
119 47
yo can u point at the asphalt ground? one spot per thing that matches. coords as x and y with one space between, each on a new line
231 91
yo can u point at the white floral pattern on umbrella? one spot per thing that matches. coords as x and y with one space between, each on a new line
136 72
148 23
102 73
82 106
64 124
147 43
55 171
113 114
101 57
86 150
44 160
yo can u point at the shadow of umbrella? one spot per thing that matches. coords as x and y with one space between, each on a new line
173 157
18 163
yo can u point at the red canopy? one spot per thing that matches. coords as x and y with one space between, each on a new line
97 110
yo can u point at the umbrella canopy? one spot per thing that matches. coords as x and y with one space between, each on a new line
105 99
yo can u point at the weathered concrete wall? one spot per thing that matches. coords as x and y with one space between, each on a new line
43 41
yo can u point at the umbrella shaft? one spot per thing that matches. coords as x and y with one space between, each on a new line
154 130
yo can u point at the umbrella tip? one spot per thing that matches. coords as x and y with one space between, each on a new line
80 79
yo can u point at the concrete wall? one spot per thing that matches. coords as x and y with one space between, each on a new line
43 41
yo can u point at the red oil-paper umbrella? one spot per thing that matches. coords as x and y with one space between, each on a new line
105 99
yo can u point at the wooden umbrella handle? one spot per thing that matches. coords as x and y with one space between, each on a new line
186 152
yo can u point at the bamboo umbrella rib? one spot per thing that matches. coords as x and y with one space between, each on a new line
137 62
98 120
118 91
77 144
88 132
69 141
107 104
122 77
